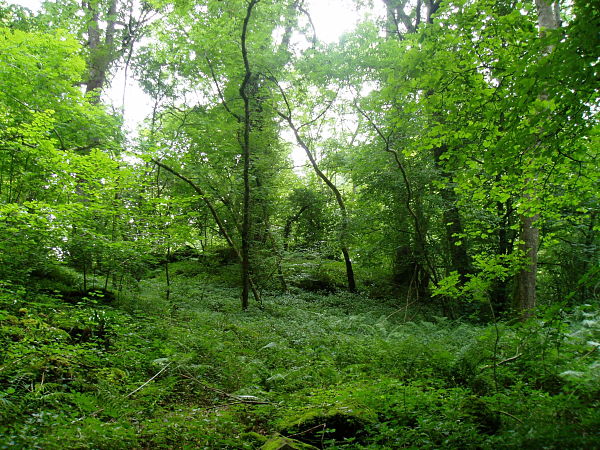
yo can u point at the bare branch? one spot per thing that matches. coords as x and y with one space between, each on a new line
146 383
329 105
312 25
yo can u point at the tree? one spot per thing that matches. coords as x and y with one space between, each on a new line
464 89
287 116
525 288
230 132
41 140
108 30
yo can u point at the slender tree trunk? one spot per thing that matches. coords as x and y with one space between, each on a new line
459 259
84 277
216 217
168 275
287 229
500 291
246 158
339 199
107 278
420 236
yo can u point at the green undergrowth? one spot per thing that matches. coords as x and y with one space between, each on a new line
331 371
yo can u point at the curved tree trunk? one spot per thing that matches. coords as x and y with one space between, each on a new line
339 199
218 221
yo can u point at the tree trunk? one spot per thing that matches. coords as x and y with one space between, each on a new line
526 279
416 214
106 47
501 294
101 54
246 158
216 217
287 229
525 283
338 197
168 275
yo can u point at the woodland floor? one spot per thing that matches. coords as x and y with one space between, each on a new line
330 370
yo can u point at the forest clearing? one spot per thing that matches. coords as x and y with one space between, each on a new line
385 238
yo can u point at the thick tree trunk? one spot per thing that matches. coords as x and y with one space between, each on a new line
101 54
106 46
548 14
525 297
525 283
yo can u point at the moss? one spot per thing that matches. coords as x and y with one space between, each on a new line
253 437
278 442
337 422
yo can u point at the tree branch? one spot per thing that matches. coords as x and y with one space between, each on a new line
221 95
336 192
409 193
215 215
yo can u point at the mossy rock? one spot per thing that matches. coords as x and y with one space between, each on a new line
255 438
315 285
278 442
338 422
225 255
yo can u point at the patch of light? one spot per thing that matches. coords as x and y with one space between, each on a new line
33 5
127 94
297 154
332 18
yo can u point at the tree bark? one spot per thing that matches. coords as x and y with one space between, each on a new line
525 283
102 54
525 296
105 48
246 158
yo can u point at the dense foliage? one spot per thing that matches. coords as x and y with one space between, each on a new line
427 279
342 371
